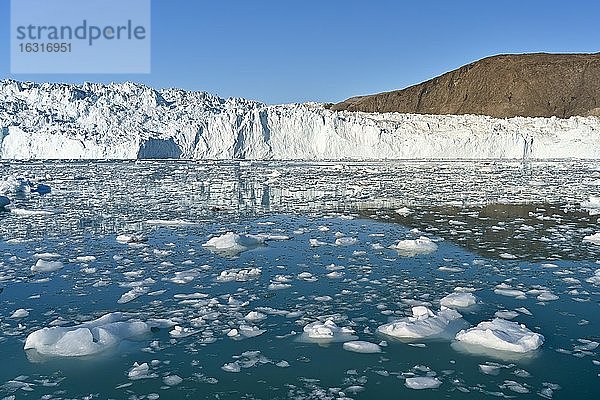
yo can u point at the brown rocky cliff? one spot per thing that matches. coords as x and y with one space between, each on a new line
532 85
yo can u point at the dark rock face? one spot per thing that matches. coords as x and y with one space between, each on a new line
530 85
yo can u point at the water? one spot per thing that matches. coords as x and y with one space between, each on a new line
495 223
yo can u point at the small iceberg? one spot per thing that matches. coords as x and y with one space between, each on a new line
459 300
594 239
422 382
359 346
232 244
327 331
46 266
424 323
85 339
502 335
411 248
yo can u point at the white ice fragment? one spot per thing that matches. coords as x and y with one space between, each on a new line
458 300
345 241
130 238
172 380
423 323
594 239
422 382
46 266
404 211
132 295
232 367
20 313
239 275
502 335
359 346
327 331
547 296
410 248
87 338
255 316
140 371
232 243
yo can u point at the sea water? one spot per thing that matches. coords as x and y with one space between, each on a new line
315 243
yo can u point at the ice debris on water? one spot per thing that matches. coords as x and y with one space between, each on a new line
413 247
502 335
422 382
458 300
87 338
423 323
46 266
359 346
233 244
327 331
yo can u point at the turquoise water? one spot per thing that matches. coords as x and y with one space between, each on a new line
92 203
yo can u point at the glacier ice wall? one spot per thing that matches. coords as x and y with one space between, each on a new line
129 121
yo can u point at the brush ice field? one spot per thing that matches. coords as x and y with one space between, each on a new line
295 280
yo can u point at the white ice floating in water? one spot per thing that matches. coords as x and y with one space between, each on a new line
232 244
594 239
20 313
501 335
87 338
359 346
424 323
422 382
592 206
411 248
131 239
459 300
46 266
327 331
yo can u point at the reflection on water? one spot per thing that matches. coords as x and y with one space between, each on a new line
509 232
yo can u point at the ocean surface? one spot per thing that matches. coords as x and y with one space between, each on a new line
309 242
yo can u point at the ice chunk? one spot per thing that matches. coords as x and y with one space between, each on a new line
239 275
131 238
85 339
359 346
404 211
255 316
458 300
594 239
345 241
20 313
422 382
140 371
172 380
547 296
410 248
46 266
327 331
424 323
232 367
502 335
592 206
233 244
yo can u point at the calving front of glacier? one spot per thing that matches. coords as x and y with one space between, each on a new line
132 121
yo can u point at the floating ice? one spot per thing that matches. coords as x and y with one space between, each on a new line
345 241
85 339
20 313
132 295
422 382
140 371
502 335
594 239
233 244
458 300
508 291
255 316
424 323
46 266
547 296
359 346
232 367
327 331
239 275
131 238
594 279
170 222
404 211
410 248
592 206
172 380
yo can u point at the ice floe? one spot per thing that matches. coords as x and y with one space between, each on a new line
414 247
233 244
87 338
459 300
327 331
422 382
423 323
359 346
502 335
46 266
594 239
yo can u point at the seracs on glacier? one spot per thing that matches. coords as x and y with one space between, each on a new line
132 121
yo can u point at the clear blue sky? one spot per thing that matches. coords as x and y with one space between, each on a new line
306 50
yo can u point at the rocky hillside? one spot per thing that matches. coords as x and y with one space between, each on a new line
531 85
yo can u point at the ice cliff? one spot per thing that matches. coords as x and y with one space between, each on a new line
129 121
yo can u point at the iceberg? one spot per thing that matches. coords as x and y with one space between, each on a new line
85 339
422 382
423 323
411 248
459 300
78 121
501 335
327 331
233 244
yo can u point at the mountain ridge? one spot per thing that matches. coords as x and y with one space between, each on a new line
502 86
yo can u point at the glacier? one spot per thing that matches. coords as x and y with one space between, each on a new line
134 121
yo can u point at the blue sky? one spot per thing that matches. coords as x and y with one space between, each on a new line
328 50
